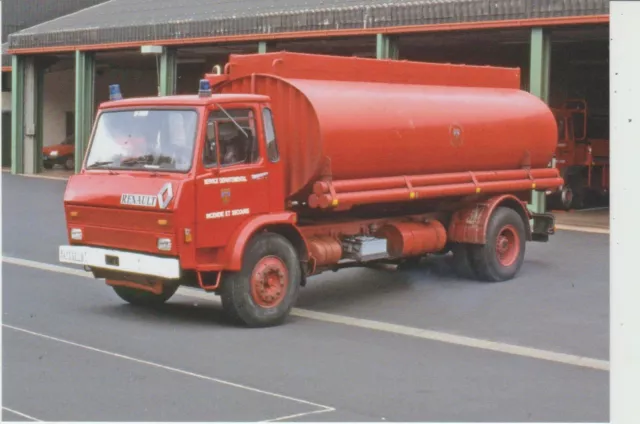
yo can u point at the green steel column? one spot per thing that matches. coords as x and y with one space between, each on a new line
39 115
17 114
539 76
262 47
85 75
168 71
29 117
386 47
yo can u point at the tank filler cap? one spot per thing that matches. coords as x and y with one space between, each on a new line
205 88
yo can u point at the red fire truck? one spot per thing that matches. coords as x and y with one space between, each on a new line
288 165
583 161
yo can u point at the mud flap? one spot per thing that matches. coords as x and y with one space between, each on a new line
544 225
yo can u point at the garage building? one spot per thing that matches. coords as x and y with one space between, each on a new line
61 69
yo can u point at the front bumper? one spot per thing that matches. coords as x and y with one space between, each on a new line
118 260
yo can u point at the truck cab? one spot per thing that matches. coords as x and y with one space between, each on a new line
165 185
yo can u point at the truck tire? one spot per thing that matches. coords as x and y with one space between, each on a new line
501 257
565 197
263 292
461 263
145 298
578 185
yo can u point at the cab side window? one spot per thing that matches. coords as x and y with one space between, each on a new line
210 155
270 135
233 137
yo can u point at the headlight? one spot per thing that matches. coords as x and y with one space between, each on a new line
76 234
164 244
54 153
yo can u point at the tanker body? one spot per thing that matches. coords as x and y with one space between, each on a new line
296 164
347 128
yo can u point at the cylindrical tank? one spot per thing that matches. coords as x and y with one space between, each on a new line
355 130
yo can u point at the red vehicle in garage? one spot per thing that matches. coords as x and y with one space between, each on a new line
288 165
60 154
583 161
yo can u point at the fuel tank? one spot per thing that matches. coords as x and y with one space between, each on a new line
348 129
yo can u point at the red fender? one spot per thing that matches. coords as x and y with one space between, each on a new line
469 225
234 251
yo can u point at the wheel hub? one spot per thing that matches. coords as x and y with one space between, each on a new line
507 246
269 282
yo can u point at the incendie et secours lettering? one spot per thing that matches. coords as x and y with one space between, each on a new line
227 213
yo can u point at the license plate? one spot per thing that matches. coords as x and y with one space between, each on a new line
111 260
72 255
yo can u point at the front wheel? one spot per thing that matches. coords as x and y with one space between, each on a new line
501 257
264 291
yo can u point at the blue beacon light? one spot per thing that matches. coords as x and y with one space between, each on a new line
205 88
114 92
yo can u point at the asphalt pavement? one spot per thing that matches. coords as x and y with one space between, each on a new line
532 349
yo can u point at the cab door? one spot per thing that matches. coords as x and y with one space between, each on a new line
234 186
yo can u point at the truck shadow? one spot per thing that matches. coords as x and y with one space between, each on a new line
375 285
331 292
176 311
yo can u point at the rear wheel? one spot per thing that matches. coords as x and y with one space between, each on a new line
47 165
263 292
577 184
145 298
501 257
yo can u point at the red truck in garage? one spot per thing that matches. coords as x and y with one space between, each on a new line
583 160
287 165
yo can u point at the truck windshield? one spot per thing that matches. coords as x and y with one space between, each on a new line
144 139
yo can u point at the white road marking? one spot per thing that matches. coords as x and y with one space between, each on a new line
40 176
13 411
47 267
597 208
583 229
172 369
529 352
303 414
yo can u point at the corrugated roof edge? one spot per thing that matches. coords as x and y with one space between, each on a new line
318 22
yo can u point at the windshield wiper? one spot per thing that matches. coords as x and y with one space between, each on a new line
233 120
100 164
103 164
136 161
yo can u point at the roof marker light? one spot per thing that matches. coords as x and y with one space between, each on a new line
205 88
114 92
